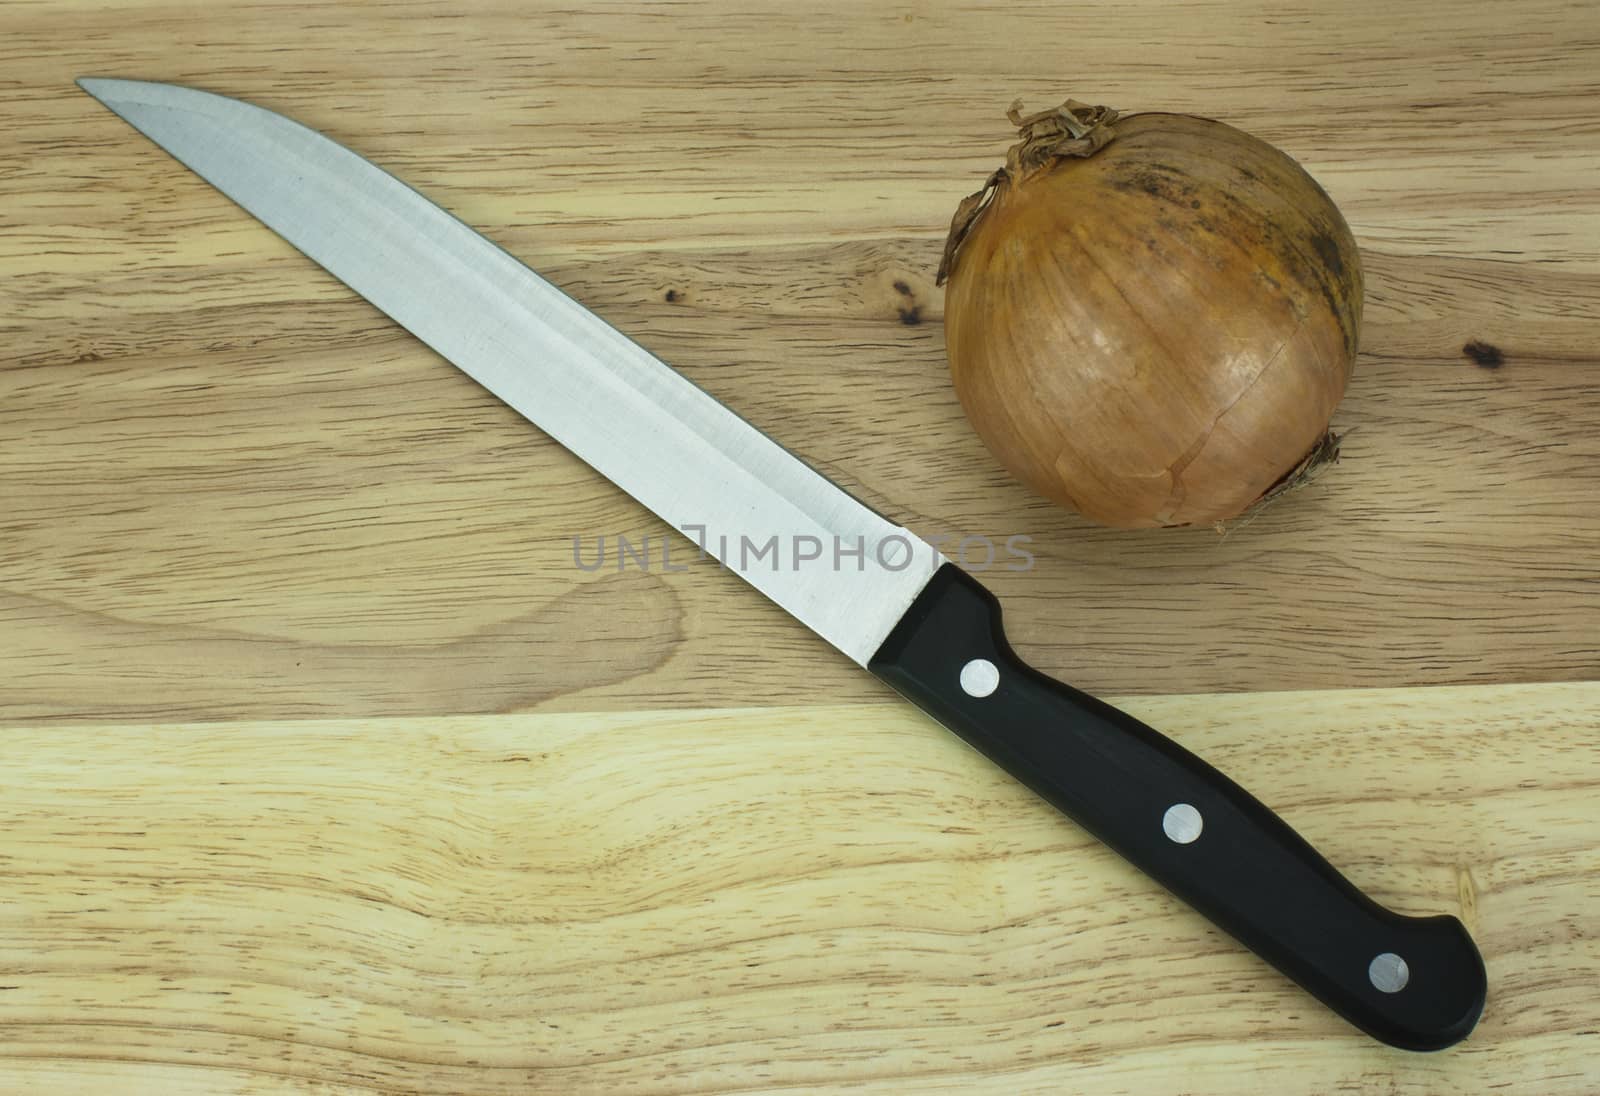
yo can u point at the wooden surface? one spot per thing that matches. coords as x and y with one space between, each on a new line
711 902
234 490
233 498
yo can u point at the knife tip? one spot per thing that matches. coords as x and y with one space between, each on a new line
107 87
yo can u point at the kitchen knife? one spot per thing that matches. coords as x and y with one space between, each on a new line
861 582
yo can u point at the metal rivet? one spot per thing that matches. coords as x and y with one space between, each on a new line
1182 823
1388 973
980 677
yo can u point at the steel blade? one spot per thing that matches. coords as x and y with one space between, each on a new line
697 465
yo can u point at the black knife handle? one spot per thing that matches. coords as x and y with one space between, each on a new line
1185 824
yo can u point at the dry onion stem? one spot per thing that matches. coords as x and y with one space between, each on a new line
1072 129
1151 317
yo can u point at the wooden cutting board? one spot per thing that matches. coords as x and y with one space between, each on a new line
327 768
828 898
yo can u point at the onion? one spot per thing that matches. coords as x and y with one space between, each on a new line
1151 319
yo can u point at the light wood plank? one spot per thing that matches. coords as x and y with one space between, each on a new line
232 491
820 900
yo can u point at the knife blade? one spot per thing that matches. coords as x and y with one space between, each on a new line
863 583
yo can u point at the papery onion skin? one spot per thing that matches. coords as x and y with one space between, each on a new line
1156 333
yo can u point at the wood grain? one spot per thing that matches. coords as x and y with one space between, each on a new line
268 567
231 490
819 900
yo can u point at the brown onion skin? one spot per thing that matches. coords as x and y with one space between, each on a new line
1157 334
